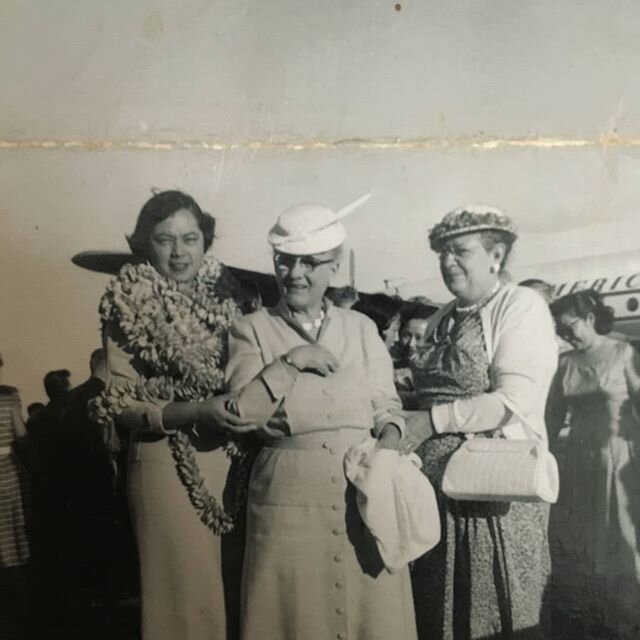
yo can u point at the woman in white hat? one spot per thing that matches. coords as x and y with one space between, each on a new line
319 380
488 356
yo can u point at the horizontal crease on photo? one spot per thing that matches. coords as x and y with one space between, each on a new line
301 144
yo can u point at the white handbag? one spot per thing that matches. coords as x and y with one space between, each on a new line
503 469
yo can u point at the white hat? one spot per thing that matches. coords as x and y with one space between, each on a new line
307 228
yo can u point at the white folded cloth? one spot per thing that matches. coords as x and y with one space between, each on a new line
396 502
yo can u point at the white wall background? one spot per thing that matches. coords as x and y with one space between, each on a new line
226 84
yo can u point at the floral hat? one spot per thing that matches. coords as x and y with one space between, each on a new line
470 219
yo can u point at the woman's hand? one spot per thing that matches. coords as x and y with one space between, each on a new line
214 411
312 358
389 437
419 428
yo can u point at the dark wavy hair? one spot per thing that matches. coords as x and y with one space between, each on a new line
162 206
415 310
380 307
581 304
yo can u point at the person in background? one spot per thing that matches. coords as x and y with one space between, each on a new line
489 355
412 329
317 379
91 497
52 481
14 542
541 286
343 297
597 519
384 310
33 408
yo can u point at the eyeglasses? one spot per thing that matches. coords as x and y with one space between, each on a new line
567 331
456 252
287 261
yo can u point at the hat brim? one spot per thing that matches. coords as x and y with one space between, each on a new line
437 242
321 241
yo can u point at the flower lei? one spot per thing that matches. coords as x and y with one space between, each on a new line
181 341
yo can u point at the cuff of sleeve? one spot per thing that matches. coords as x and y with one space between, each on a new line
153 417
279 378
442 418
398 421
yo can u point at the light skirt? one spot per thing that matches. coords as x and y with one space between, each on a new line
312 570
188 592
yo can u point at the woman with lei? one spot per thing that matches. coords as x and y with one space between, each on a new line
165 322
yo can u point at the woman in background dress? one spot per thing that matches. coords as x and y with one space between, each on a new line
597 520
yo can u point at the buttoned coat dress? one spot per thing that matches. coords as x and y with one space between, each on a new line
312 569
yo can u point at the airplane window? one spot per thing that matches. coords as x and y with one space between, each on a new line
632 304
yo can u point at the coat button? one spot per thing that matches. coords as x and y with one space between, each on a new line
332 451
339 611
336 532
334 479
335 507
339 584
342 636
337 558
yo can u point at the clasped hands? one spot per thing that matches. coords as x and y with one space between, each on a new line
319 360
218 410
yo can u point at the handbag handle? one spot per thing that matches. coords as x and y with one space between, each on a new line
526 424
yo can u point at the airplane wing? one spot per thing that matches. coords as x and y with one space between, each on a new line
259 285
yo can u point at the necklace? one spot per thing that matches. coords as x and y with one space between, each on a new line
314 324
476 305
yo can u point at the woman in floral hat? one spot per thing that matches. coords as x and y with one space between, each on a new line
165 322
493 344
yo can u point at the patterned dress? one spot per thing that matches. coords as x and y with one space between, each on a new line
487 577
14 547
